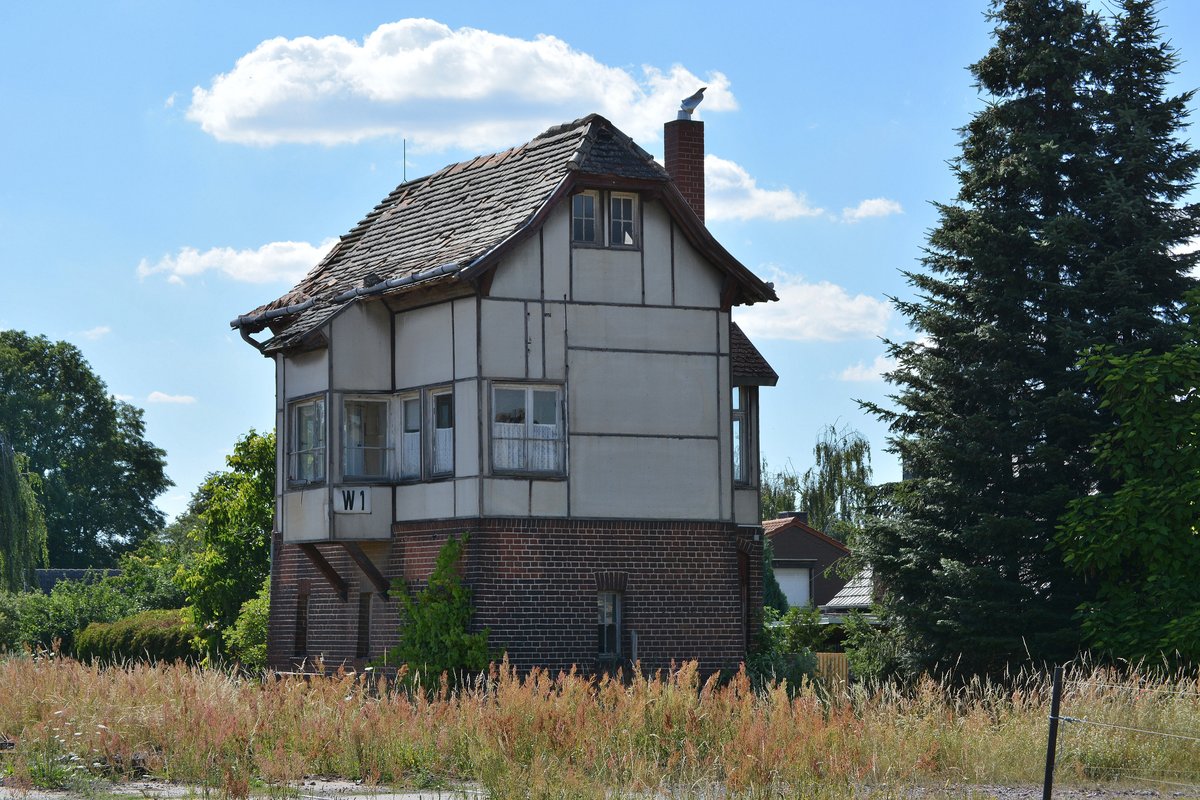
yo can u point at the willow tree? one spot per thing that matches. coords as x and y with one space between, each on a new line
22 524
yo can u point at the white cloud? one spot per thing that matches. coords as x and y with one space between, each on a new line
814 312
874 371
730 193
170 101
98 332
124 398
439 87
284 262
162 397
875 207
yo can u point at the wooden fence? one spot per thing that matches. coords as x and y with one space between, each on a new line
833 669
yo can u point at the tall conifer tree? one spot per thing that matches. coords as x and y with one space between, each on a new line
1059 239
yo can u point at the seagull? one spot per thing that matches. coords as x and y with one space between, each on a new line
688 105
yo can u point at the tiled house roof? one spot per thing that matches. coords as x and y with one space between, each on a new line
453 225
747 365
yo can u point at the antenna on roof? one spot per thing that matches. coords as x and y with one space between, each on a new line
689 104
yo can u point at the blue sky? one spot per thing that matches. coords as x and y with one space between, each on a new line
168 166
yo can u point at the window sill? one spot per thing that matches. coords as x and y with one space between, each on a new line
631 248
295 486
537 476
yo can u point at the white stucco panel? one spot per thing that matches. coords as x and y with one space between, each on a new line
305 515
643 393
533 350
697 282
745 506
424 346
554 324
640 328
605 275
503 338
425 500
556 254
506 497
305 373
359 342
465 364
548 499
644 478
520 273
466 428
656 241
466 497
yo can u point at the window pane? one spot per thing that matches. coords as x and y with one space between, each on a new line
509 405
308 441
739 450
608 624
365 438
545 407
410 440
443 434
622 220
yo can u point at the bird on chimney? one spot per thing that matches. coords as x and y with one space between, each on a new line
688 105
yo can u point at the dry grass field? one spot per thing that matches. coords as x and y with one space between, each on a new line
541 735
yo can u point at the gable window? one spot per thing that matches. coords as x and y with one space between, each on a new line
364 438
527 429
608 625
410 438
623 227
306 448
741 467
584 212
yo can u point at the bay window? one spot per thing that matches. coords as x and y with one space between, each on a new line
741 467
443 432
410 438
527 429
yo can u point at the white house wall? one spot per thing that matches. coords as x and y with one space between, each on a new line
466 362
643 393
425 346
360 347
306 373
605 275
306 514
697 283
673 330
656 478
556 254
357 527
656 243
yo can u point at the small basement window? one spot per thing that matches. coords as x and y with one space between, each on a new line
608 625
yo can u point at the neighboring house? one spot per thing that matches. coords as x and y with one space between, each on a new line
857 595
804 559
533 347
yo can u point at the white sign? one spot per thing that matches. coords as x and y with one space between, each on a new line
352 500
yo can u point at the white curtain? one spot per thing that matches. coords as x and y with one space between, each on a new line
410 455
508 445
443 450
543 448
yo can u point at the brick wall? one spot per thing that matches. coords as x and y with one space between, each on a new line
683 154
535 584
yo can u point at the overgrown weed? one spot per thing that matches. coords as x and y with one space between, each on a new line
567 735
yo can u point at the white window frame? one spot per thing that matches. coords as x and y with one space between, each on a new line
385 449
315 451
408 449
596 219
500 451
631 222
739 432
437 441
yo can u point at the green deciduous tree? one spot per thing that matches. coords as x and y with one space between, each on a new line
1139 540
777 491
236 509
1061 238
22 524
836 490
98 474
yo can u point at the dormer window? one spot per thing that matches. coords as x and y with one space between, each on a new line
604 219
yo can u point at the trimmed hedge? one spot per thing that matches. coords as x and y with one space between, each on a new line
157 635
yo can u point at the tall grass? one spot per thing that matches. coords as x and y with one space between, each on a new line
543 735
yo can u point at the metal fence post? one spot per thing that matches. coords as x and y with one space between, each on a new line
1052 740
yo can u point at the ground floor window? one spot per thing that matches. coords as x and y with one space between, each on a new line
608 625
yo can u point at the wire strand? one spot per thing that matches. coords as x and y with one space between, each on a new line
1064 718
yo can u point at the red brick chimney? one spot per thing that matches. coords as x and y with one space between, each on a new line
683 150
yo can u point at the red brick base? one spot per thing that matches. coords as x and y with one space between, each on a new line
691 590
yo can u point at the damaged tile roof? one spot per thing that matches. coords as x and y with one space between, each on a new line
446 226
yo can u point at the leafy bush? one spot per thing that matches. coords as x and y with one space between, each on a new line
37 620
434 622
156 635
246 641
785 649
874 653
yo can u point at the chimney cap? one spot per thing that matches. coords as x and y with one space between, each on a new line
688 104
